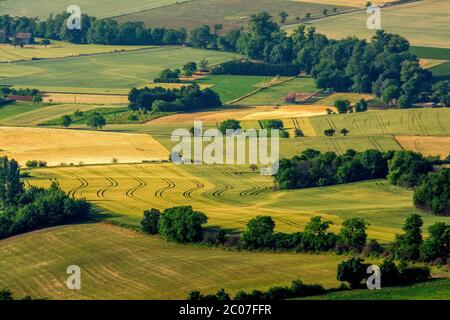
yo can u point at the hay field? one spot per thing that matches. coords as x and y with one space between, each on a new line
98 8
230 195
243 114
232 14
58 49
352 97
117 263
57 146
429 146
122 70
421 122
97 99
30 115
429 25
15 109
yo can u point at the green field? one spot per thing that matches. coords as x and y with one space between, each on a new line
117 263
231 14
442 71
438 289
98 8
29 115
16 109
274 94
58 49
116 70
232 87
231 195
431 53
423 23
426 122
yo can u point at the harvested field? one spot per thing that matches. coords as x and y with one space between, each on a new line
85 98
230 195
428 146
117 263
56 146
244 113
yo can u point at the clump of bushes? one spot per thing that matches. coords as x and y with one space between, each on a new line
178 224
25 210
354 272
433 193
36 164
297 289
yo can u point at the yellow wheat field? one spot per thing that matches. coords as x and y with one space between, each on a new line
429 146
56 146
85 98
246 113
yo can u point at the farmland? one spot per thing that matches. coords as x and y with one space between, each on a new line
428 27
99 8
430 146
26 114
57 49
274 94
117 70
57 146
388 122
230 196
438 289
231 14
142 267
232 87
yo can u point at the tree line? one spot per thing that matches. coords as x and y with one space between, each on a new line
186 98
185 225
93 31
23 210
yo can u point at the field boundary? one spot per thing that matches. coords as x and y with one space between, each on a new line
259 90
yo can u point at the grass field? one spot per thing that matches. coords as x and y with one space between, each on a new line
274 94
98 8
58 49
115 71
428 27
352 97
117 263
430 146
27 114
13 110
438 289
232 87
57 146
231 195
232 14
421 122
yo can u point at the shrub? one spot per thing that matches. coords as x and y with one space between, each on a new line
433 193
259 233
352 271
182 224
150 221
408 168
407 245
229 124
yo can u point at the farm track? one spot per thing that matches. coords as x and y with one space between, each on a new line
112 183
83 184
130 192
188 193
